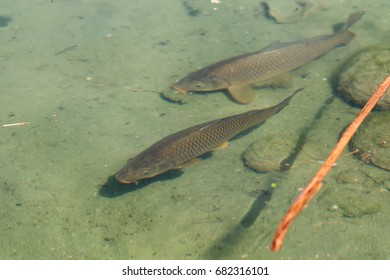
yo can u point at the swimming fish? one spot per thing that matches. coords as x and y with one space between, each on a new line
237 73
183 147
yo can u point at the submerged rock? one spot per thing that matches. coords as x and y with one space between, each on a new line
352 202
269 153
372 141
361 75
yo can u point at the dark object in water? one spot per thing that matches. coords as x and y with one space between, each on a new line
4 21
181 148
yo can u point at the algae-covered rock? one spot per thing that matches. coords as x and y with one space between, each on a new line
269 153
372 141
361 75
351 202
351 176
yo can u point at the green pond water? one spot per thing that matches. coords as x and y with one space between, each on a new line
84 75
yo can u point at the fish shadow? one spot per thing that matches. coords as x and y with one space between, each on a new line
112 188
228 243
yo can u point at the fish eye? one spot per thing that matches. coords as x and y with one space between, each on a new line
198 85
146 171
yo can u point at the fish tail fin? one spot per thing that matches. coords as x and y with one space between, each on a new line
287 100
353 18
340 27
279 107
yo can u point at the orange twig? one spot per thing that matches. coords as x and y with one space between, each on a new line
316 183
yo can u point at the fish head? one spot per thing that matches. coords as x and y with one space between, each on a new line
135 171
198 82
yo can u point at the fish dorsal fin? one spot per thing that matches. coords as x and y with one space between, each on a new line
277 45
274 45
243 94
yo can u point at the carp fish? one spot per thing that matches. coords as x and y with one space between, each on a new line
236 74
183 147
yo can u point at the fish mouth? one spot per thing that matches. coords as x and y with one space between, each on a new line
179 89
124 180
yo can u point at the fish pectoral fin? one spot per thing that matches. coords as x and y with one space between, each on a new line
242 94
187 163
222 146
